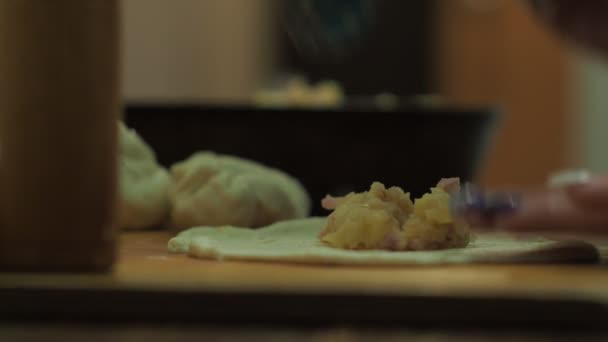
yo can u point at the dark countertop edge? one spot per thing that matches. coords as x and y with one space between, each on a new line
190 106
296 308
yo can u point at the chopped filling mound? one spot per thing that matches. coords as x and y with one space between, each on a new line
387 219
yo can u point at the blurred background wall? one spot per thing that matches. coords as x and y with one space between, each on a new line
196 50
495 51
470 51
592 109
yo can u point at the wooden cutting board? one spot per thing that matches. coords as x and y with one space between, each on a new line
149 282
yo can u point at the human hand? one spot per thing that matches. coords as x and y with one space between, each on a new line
580 208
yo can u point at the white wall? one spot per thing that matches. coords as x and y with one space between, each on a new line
203 50
591 91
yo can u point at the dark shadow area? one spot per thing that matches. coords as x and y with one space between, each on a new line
330 152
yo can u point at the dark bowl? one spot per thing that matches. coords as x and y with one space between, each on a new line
329 151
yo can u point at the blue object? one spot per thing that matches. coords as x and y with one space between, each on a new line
471 201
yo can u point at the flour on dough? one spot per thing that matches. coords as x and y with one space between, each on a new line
213 190
297 241
143 183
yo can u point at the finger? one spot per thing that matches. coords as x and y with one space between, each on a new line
592 194
553 211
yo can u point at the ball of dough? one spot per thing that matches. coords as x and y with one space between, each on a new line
214 190
143 184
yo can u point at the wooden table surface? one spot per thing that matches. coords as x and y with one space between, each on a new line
145 266
144 263
177 333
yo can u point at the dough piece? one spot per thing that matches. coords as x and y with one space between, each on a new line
297 241
143 184
213 190
387 219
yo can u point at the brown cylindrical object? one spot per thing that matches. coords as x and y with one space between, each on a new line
59 102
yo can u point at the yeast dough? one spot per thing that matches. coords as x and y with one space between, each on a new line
297 242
